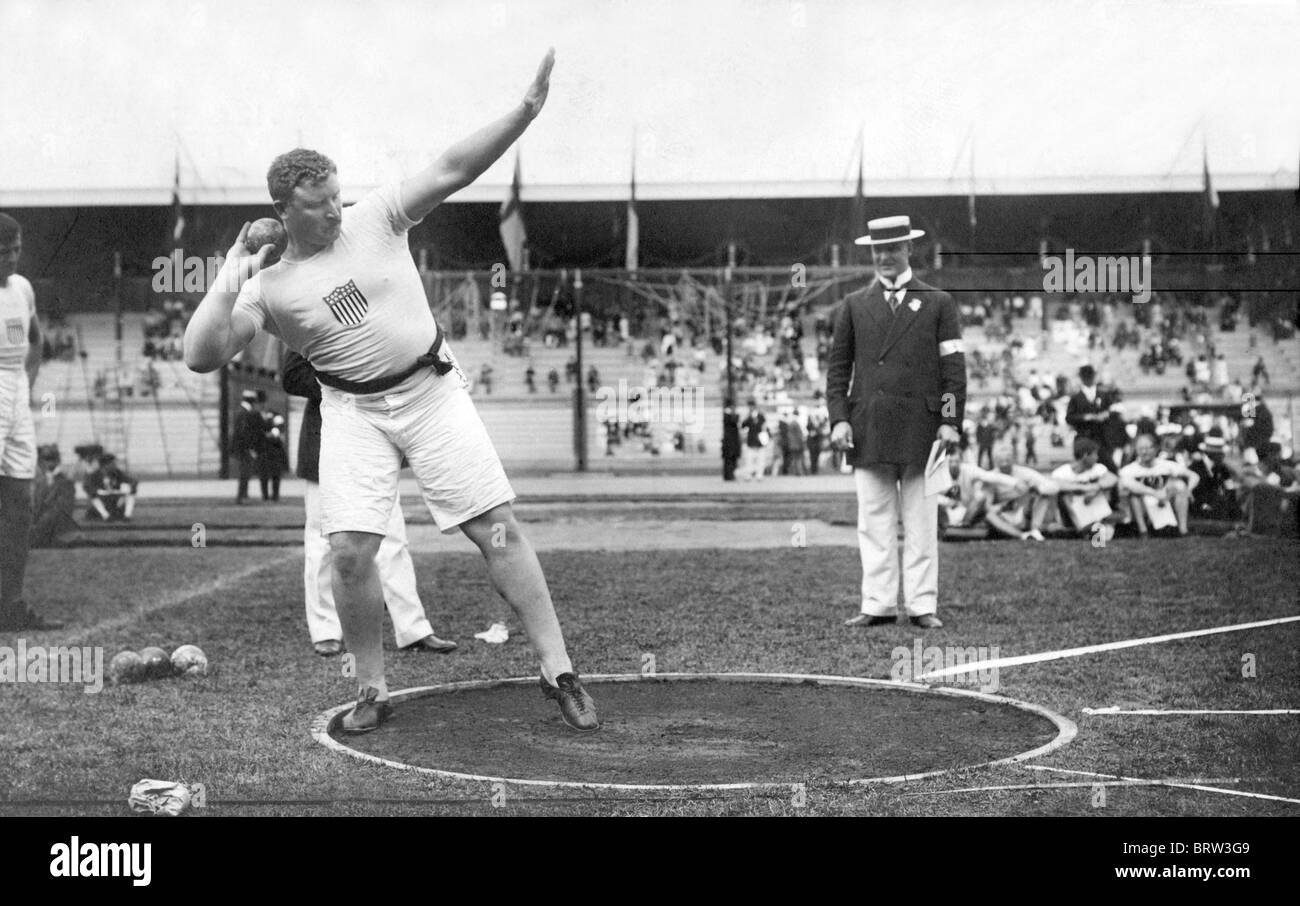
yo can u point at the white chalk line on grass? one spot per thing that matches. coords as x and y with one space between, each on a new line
1177 785
1083 784
1155 711
976 666
173 600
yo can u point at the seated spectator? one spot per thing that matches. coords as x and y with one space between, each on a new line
1268 492
1215 496
961 508
1084 486
53 500
111 491
1158 490
87 461
1018 508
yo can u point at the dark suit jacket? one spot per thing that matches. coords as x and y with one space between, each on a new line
298 378
885 375
1078 407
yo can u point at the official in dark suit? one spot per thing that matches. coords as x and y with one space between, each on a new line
246 442
396 570
1087 413
896 383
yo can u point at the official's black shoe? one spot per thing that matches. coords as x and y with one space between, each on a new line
368 714
576 706
864 619
26 619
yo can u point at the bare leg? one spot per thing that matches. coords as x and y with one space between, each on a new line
517 577
1180 498
360 602
1137 506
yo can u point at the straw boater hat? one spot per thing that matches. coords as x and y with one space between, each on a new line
884 230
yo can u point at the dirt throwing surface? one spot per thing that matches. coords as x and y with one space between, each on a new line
704 731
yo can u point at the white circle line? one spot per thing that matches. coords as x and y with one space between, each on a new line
1066 729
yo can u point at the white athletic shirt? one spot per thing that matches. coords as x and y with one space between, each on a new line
357 308
1153 476
17 308
1093 475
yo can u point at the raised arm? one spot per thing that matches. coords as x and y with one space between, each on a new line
216 332
466 160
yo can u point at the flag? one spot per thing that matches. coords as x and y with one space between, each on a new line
1211 199
858 207
970 199
1211 196
178 213
511 225
633 222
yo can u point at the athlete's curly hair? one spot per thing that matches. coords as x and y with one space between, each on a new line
293 168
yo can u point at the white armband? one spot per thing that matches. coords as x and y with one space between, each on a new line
949 347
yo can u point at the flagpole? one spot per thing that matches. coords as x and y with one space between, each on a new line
580 400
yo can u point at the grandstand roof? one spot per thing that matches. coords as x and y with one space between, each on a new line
728 98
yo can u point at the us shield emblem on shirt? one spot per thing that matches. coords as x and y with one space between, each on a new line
14 332
347 304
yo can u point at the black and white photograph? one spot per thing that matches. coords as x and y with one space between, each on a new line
595 408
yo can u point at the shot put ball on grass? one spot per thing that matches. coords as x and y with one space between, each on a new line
126 667
267 231
157 664
189 660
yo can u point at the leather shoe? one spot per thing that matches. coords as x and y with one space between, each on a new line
927 621
864 619
368 713
432 643
328 647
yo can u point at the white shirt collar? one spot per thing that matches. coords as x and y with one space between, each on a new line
899 284
1089 393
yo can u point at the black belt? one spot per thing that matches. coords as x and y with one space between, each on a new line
379 385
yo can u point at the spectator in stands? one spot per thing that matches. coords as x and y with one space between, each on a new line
530 377
1159 490
1259 374
731 443
1215 495
485 378
985 434
1084 486
553 379
593 379
111 491
819 430
790 436
246 441
757 437
1256 423
53 500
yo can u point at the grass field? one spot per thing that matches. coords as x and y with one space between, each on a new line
242 732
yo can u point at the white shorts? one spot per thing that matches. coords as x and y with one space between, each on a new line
17 431
430 419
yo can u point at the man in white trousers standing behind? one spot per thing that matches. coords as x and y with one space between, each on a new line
896 383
